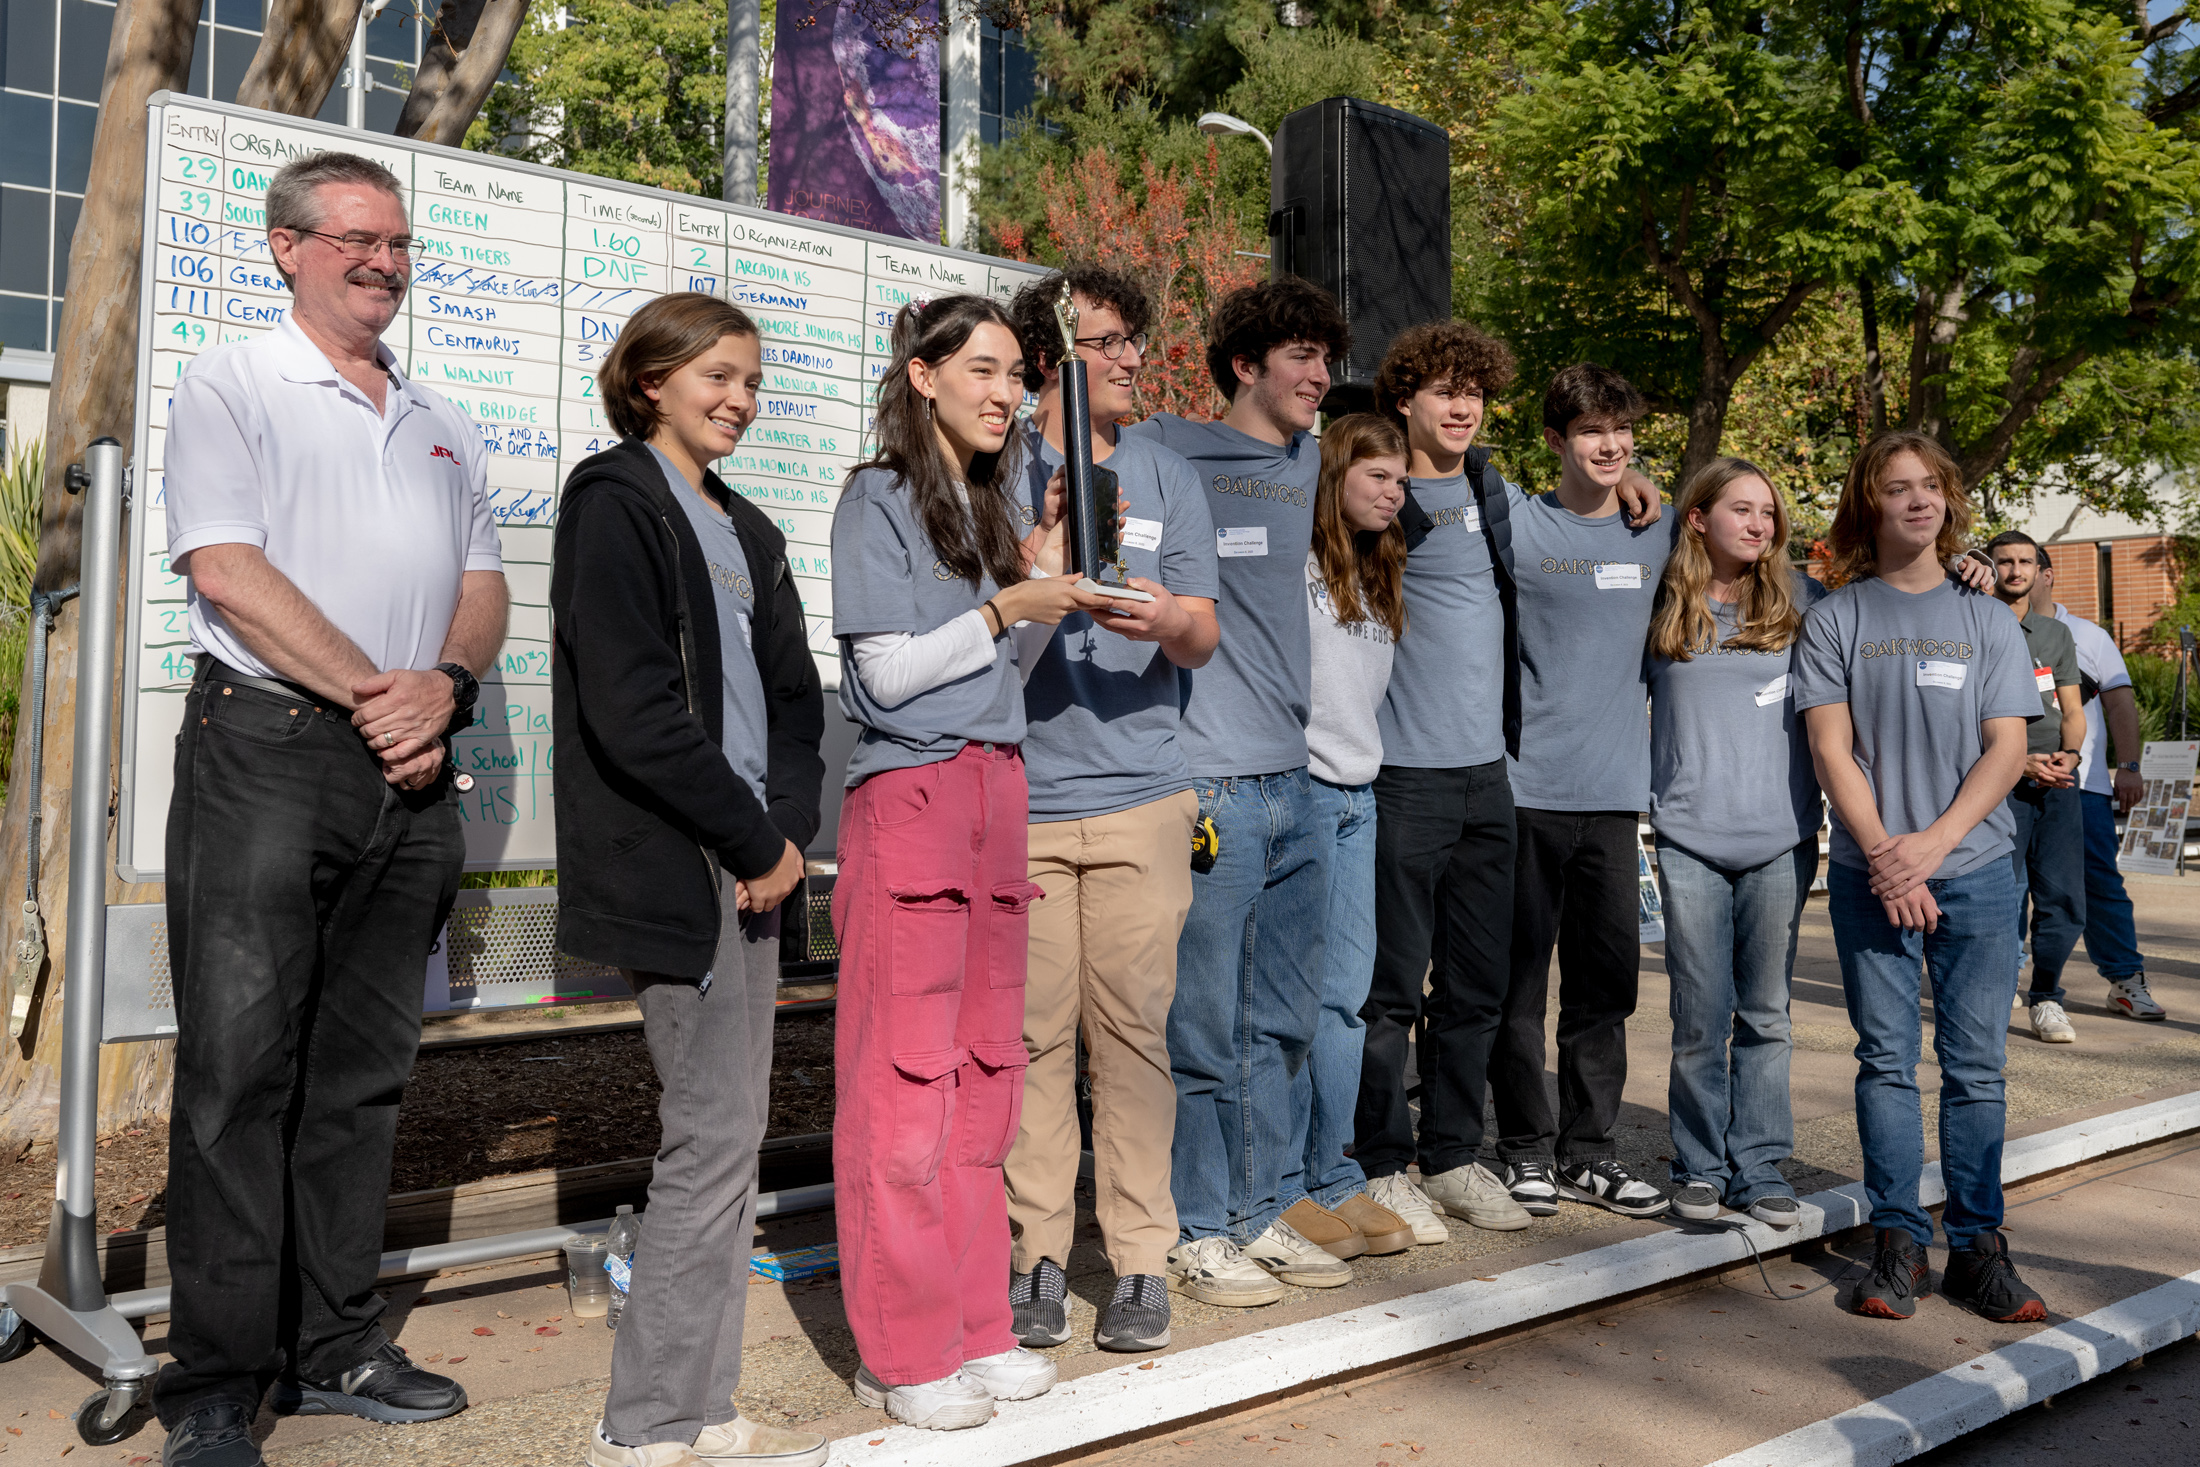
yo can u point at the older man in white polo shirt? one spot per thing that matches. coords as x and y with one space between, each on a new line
333 520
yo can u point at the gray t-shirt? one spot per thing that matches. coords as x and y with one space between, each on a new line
1919 670
888 578
1586 588
2054 664
747 731
1103 711
1446 705
1724 739
1246 711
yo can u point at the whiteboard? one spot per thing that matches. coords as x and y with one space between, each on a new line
523 279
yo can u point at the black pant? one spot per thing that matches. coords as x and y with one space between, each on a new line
1575 884
2048 862
304 893
1443 895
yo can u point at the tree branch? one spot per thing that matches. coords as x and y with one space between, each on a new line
301 51
465 52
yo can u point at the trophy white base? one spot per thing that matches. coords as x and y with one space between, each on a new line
1120 593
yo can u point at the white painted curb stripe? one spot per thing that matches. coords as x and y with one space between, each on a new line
1962 1399
1233 1373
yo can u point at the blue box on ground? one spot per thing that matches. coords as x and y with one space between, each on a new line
797 1264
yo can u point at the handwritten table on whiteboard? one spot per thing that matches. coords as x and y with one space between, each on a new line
522 280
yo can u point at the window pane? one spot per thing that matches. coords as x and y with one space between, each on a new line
1019 79
246 13
391 33
332 106
84 28
23 322
202 55
23 241
73 127
989 75
27 124
30 44
65 210
232 55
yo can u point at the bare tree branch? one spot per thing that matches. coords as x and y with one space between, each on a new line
301 51
465 52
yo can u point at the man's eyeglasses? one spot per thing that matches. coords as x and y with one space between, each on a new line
361 246
1111 345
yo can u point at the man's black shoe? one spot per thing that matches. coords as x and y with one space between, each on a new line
1136 1317
1901 1275
1980 1276
217 1434
1038 1304
385 1387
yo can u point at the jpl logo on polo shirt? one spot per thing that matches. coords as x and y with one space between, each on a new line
439 451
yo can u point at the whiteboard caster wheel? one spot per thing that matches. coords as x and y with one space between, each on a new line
106 1415
16 1343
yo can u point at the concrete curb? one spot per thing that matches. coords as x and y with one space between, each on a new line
1146 1397
1964 1398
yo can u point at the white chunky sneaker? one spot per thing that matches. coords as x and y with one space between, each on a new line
1398 1193
2129 997
952 1403
2050 1025
604 1452
1291 1256
1474 1193
745 1443
1214 1271
1013 1375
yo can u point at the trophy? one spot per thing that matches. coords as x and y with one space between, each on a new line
1095 526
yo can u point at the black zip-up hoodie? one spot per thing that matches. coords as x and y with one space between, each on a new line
648 807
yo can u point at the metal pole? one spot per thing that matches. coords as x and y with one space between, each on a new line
355 79
744 69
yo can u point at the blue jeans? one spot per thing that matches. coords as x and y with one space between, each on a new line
1730 954
2111 936
1249 973
1325 1092
1970 960
2048 863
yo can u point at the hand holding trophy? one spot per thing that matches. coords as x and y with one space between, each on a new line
1095 544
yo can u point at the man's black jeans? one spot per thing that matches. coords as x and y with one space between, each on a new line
2048 862
304 893
1444 895
1575 884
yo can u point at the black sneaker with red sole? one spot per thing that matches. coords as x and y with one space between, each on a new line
1901 1275
1980 1276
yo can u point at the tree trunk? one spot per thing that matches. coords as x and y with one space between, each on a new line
1706 425
94 392
302 48
465 52
1875 363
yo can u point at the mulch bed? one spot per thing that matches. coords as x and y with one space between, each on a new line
469 1114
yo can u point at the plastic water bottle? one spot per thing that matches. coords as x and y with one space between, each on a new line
626 1231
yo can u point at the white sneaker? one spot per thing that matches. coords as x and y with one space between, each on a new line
1214 1271
953 1403
742 1441
1015 1374
2050 1025
1474 1193
2129 997
1398 1193
1288 1254
604 1452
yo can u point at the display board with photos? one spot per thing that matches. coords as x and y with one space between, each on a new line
522 280
2154 830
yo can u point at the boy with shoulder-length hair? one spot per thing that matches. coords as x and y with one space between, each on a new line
1916 696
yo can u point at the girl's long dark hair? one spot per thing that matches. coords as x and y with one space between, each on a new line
984 540
1365 569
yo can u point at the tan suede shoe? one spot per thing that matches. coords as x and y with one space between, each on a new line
753 1444
1382 1230
1324 1229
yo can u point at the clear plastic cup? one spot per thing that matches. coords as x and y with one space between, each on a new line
586 1283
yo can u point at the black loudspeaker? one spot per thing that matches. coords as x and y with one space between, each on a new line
1359 199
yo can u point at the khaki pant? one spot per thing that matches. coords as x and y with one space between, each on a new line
1103 957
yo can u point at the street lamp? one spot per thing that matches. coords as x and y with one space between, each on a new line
1222 124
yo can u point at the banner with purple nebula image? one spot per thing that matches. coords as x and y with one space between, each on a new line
855 126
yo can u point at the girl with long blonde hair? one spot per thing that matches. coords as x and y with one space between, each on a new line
1735 805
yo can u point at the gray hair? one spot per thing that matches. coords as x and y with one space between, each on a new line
293 199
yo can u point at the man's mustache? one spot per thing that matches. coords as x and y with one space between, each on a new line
376 277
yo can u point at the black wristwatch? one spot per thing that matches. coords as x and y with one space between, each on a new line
465 691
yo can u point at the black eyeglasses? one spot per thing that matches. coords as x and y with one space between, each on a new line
1111 345
362 246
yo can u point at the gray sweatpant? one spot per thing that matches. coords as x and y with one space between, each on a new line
677 1356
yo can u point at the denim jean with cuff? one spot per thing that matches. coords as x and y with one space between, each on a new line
2111 933
2048 863
1249 971
1327 1090
1968 963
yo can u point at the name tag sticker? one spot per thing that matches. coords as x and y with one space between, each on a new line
1940 674
1470 517
1619 578
1252 540
1774 691
2045 677
1141 534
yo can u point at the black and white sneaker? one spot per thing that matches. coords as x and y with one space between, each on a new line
1039 1311
385 1387
1137 1318
1605 1183
1534 1185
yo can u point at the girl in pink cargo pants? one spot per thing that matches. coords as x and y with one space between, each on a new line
932 903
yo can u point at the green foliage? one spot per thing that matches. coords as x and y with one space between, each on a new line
2154 688
20 484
